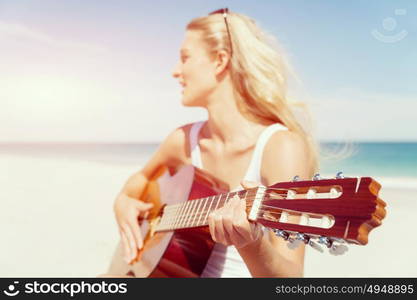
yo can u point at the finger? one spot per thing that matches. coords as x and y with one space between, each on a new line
246 184
126 248
242 223
218 229
143 209
144 205
212 225
131 241
258 230
134 225
236 195
229 219
254 230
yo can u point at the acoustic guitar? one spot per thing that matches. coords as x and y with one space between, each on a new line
332 213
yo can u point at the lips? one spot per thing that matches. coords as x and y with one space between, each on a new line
183 86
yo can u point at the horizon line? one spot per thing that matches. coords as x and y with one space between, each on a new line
158 142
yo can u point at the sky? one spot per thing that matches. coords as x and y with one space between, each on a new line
101 71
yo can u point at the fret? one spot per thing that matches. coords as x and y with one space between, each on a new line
227 198
202 211
190 215
166 217
218 201
246 195
174 215
169 213
163 221
197 210
178 214
186 213
194 213
183 214
205 222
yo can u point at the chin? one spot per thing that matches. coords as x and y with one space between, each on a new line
186 101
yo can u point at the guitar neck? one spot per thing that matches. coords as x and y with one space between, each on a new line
195 213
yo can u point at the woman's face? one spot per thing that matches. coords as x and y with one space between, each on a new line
195 70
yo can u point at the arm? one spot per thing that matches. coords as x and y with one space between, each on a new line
266 256
127 206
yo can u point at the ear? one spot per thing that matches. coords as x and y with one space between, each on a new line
221 61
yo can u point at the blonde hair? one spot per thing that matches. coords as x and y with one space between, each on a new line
258 70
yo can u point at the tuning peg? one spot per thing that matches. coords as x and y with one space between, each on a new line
281 233
296 178
292 243
333 248
315 246
301 237
340 175
316 176
338 249
325 241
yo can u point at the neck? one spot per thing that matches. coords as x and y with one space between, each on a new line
226 124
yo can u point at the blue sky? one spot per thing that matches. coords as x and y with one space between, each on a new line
71 66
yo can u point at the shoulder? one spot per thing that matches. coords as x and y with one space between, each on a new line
285 143
177 136
171 153
175 146
285 156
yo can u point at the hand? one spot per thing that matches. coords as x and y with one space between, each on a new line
229 224
127 211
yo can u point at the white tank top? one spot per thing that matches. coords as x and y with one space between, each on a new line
225 261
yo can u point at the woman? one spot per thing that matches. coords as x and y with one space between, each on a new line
250 137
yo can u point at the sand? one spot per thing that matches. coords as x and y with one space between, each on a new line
56 220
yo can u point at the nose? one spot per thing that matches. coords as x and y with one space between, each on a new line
176 71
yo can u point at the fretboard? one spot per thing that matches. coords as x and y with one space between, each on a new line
195 213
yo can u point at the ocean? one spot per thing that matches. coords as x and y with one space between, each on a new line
356 159
372 159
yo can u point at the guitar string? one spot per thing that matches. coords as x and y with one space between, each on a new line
179 205
173 206
233 194
206 224
173 213
184 221
260 213
174 216
185 216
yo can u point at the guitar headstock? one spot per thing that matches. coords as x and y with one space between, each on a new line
331 211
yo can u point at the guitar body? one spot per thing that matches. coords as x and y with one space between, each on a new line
179 253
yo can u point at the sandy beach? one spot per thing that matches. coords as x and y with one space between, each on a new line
56 220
